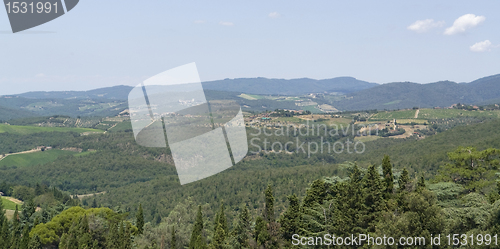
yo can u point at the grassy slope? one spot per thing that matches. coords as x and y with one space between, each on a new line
9 205
32 159
32 129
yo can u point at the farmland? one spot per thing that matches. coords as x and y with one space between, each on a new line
8 204
404 114
24 130
32 159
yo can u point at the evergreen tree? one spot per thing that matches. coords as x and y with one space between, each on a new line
222 220
5 235
29 209
2 214
173 239
404 179
290 222
197 240
113 237
25 240
16 230
421 183
374 199
388 177
35 242
261 235
219 237
140 220
269 208
241 229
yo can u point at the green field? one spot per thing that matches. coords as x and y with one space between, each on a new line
36 158
452 113
23 130
9 205
85 153
122 126
388 115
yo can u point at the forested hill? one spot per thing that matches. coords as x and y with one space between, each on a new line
407 95
289 87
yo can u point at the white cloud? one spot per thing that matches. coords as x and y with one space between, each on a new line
421 26
274 14
200 21
226 23
482 46
464 23
40 75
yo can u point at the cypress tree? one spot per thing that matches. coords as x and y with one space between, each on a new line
140 220
269 208
197 240
388 177
222 222
219 237
290 222
173 239
374 198
421 183
16 232
404 180
2 214
5 235
25 240
242 228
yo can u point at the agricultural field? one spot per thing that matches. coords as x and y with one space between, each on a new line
388 115
8 204
453 113
35 158
24 130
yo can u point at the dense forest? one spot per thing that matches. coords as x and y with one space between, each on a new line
370 203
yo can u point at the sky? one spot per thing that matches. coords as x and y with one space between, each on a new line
122 42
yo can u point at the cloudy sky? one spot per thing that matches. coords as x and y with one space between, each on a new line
122 42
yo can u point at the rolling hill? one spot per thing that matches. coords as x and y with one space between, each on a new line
407 95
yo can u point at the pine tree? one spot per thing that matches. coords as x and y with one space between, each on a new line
113 237
2 214
421 183
222 220
35 242
173 239
269 208
16 230
290 222
5 233
374 198
197 240
140 220
261 234
25 240
404 180
219 237
388 177
242 228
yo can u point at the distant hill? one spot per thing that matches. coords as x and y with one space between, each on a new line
352 94
288 87
407 95
115 92
9 113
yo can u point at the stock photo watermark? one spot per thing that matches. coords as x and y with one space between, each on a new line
262 138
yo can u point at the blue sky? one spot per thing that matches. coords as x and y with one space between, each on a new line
106 43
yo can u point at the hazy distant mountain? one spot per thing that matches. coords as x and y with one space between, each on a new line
288 87
116 92
359 95
408 95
